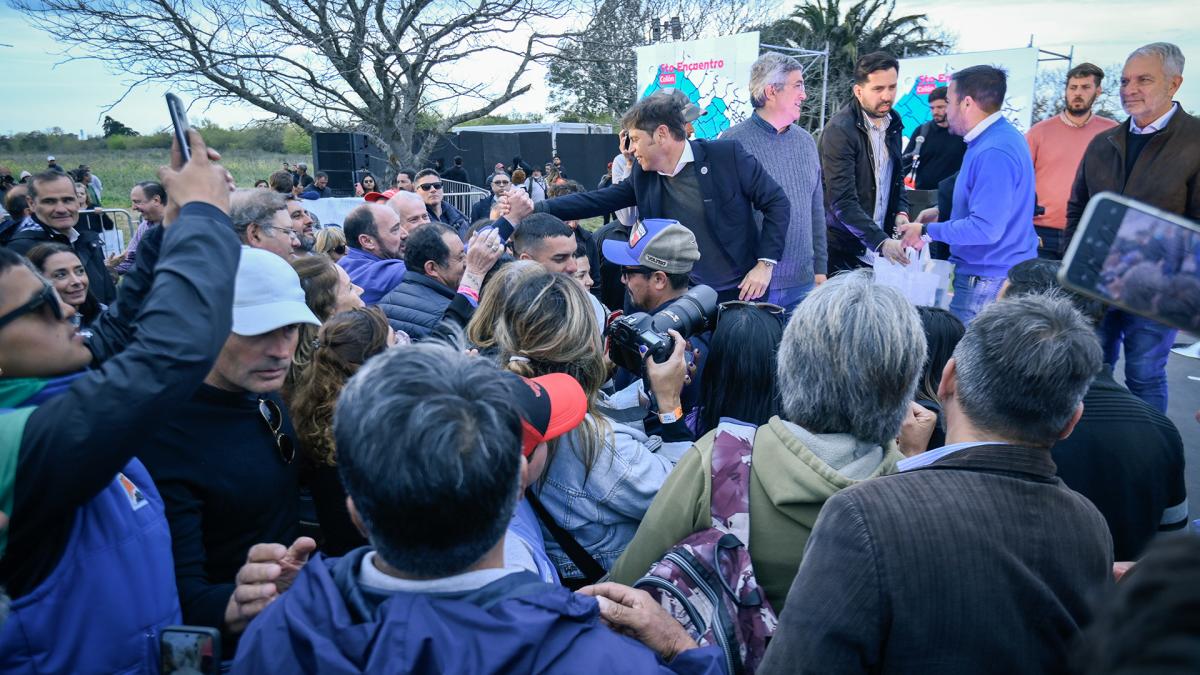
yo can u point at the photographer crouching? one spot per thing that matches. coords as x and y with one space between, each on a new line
655 265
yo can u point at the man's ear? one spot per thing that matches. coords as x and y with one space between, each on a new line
254 233
949 384
526 479
355 518
431 268
1070 426
366 242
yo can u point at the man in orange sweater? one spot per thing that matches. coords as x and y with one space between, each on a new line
1057 145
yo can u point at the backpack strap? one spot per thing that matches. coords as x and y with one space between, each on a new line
592 570
732 451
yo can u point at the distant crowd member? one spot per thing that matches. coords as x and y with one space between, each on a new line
429 186
281 182
1154 157
318 188
943 331
713 187
55 216
430 451
457 172
261 183
789 155
974 553
60 265
365 184
833 431
344 343
224 461
375 257
149 200
434 260
990 228
91 216
941 153
261 220
404 180
1139 493
865 199
1057 145
300 176
500 183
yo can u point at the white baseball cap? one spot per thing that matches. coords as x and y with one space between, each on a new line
267 294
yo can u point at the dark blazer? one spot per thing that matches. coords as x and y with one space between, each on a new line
734 186
982 562
1165 174
848 168
88 247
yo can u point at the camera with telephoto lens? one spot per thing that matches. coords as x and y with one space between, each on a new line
692 313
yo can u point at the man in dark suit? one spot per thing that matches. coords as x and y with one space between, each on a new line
500 183
974 558
711 187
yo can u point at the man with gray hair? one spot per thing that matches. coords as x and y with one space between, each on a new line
1154 157
261 220
430 447
789 154
975 556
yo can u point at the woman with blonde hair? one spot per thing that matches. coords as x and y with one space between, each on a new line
601 478
481 330
332 242
327 291
345 342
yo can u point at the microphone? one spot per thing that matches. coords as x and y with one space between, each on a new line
917 148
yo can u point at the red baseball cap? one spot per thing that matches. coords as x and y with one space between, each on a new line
373 197
550 406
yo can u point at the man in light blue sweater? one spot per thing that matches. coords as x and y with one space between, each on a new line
991 225
789 154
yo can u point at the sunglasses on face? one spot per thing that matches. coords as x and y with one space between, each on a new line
430 186
340 249
274 419
630 271
501 182
45 297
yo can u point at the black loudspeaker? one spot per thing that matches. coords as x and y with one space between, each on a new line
347 157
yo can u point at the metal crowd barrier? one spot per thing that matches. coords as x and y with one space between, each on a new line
463 196
123 227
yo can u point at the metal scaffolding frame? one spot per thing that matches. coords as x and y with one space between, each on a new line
807 57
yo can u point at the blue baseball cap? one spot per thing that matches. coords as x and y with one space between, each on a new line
658 244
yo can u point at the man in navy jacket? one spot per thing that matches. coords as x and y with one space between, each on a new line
711 187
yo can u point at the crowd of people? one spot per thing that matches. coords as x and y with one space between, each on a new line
701 439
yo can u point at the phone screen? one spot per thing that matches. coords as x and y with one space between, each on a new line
189 651
1152 266
179 122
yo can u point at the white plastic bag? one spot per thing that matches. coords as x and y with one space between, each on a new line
924 281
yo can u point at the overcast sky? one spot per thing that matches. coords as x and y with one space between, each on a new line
72 95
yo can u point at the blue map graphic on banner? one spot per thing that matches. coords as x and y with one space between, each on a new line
914 108
716 114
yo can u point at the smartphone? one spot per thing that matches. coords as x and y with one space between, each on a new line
1138 258
179 121
190 650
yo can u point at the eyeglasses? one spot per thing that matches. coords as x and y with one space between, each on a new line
47 296
430 186
767 307
501 182
626 271
274 419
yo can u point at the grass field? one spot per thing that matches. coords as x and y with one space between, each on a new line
121 169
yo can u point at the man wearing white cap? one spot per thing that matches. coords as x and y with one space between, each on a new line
224 462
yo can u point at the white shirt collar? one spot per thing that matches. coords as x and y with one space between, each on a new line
1157 125
982 126
686 158
931 456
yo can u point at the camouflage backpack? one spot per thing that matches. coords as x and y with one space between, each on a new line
707 581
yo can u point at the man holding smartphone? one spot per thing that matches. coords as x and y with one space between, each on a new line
1153 157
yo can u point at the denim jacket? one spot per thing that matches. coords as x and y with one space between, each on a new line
603 512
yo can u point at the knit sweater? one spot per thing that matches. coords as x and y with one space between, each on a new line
1057 147
791 159
991 224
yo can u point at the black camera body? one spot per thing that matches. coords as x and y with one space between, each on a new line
692 313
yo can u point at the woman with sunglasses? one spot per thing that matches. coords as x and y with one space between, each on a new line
600 478
87 535
846 371
346 342
59 264
332 242
366 184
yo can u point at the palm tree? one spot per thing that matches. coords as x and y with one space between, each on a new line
865 27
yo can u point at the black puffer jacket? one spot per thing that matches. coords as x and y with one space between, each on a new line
417 305
87 246
847 168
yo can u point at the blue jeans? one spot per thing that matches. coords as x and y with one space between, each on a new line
972 294
788 298
1147 346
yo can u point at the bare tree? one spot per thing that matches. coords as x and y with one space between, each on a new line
376 66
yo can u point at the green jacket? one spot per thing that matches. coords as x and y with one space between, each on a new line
788 486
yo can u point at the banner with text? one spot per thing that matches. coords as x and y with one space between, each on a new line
921 75
714 73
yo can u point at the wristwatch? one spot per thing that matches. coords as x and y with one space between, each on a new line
672 416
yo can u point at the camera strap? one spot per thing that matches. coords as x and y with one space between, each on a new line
592 571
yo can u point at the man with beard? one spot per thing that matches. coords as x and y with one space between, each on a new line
374 260
1057 144
302 225
940 154
863 179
